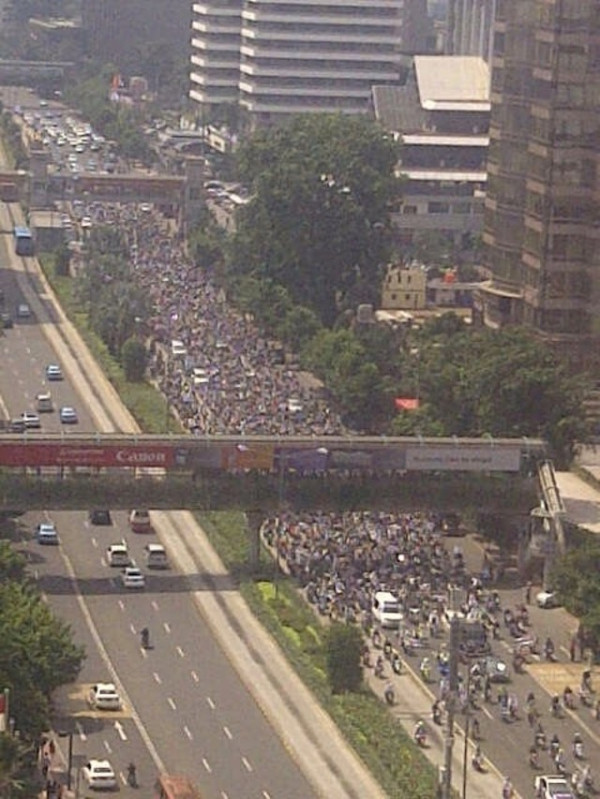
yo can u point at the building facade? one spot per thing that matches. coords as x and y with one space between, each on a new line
278 57
441 117
470 28
216 39
541 231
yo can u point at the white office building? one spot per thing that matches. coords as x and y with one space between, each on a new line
216 37
295 56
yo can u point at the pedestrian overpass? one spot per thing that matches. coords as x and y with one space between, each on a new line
82 470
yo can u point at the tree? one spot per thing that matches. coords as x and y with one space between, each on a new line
12 563
62 259
344 667
134 358
317 223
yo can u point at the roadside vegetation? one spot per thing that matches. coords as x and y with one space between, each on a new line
37 656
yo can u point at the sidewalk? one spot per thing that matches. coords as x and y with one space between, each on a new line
582 500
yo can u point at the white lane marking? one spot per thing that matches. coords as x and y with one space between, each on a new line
211 704
144 652
228 732
206 765
95 544
195 677
154 604
224 795
180 651
166 626
171 703
266 795
121 604
186 730
157 678
247 764
81 733
107 747
487 713
132 628
120 730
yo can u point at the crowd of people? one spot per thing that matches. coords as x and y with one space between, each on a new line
228 378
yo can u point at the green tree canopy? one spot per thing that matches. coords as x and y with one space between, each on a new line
344 647
317 223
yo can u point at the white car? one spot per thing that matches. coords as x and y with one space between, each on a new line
547 600
31 420
68 415
552 787
46 533
54 372
386 610
118 555
104 696
132 577
99 774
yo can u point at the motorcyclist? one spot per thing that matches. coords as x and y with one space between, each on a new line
578 746
549 649
477 759
534 760
559 761
436 712
145 637
389 694
555 706
379 667
568 698
425 669
554 746
132 775
540 736
420 733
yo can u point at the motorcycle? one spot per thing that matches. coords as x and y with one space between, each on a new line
379 667
477 760
420 735
390 696
145 638
132 776
396 663
578 753
534 760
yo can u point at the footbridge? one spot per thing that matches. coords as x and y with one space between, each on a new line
79 470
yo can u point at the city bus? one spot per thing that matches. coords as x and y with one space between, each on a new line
23 241
170 787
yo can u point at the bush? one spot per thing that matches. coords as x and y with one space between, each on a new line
344 646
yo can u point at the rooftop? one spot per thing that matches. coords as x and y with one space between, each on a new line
453 82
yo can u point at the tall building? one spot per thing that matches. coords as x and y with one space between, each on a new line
470 28
294 56
216 39
541 227
441 117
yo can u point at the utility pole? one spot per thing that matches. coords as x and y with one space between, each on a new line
454 644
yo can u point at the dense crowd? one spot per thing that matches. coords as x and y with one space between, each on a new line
342 559
229 378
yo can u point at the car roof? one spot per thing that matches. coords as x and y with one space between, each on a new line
155 548
105 686
118 547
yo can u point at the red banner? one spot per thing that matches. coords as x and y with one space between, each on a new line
92 455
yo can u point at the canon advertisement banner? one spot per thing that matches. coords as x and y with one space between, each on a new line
90 455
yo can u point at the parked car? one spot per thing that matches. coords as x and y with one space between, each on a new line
547 600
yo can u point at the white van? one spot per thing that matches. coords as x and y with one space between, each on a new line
386 610
156 556
44 402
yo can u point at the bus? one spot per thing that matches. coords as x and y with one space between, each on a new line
23 241
170 787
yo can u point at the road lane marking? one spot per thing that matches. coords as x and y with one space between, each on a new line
228 732
171 703
79 728
95 544
487 713
211 704
166 626
206 765
144 652
266 795
107 747
186 730
180 651
121 604
132 628
157 678
195 677
120 730
224 795
154 604
247 764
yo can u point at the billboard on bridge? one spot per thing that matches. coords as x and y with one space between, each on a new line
463 459
92 455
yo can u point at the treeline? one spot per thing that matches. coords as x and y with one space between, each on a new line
314 242
37 656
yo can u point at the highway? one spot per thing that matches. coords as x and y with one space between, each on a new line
186 709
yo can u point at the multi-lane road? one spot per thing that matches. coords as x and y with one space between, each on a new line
186 709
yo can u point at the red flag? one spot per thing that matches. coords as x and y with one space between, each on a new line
406 403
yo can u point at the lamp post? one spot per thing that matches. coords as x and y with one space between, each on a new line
69 735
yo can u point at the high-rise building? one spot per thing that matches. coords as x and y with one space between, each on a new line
294 56
470 28
216 38
541 225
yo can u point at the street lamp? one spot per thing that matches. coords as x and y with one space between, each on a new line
69 735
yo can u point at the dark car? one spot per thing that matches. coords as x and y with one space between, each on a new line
99 517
